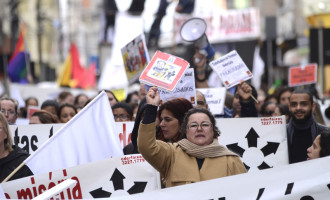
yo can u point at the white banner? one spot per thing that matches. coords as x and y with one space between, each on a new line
88 137
107 178
305 180
227 25
215 98
260 142
185 88
31 137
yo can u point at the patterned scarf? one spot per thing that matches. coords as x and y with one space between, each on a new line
212 150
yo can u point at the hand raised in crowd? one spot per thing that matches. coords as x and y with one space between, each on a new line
244 90
199 60
152 96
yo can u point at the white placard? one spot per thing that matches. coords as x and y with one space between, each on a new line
231 69
260 142
215 98
185 89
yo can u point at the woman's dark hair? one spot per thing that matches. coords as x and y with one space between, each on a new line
128 108
325 144
263 110
52 103
28 99
178 107
76 99
109 91
283 90
130 95
184 124
63 106
46 117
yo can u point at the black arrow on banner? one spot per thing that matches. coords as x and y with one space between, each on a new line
117 179
271 147
246 166
252 138
235 148
138 187
99 193
263 165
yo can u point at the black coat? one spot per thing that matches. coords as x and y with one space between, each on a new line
9 163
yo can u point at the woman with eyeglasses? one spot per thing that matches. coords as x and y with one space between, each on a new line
10 156
122 112
196 157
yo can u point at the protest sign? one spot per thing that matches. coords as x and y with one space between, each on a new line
302 75
31 110
231 69
215 98
184 89
164 71
260 142
31 137
107 178
304 180
75 143
136 57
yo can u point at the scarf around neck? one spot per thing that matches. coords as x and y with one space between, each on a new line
310 123
212 150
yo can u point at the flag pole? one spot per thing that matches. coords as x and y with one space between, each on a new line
14 172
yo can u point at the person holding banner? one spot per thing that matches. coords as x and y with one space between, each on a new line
320 147
10 156
195 158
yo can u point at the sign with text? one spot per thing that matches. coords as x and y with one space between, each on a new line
185 89
164 71
303 75
215 98
260 142
136 57
31 137
107 178
304 180
231 69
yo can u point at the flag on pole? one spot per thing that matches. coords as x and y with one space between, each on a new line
74 75
17 67
88 137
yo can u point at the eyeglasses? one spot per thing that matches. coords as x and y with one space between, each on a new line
204 126
9 112
121 116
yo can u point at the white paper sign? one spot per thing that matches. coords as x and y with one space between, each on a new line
260 142
231 69
107 178
30 137
185 89
215 98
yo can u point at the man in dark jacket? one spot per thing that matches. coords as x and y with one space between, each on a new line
302 128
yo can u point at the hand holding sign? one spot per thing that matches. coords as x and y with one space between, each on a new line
231 69
152 96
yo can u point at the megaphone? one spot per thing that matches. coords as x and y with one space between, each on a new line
193 30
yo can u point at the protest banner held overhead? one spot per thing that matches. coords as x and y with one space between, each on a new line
185 88
136 57
231 69
164 71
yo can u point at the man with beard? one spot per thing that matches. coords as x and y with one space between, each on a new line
302 128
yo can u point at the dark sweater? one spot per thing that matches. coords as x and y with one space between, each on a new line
9 163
